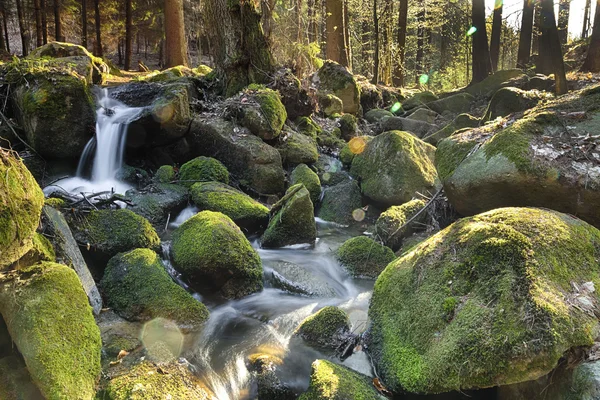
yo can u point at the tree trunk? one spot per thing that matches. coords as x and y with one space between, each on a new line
58 34
175 42
537 24
5 23
376 40
38 23
128 34
336 43
347 46
551 52
482 65
2 39
98 47
402 23
44 22
420 44
586 19
496 34
267 7
22 28
564 7
526 34
240 49
592 60
312 25
84 30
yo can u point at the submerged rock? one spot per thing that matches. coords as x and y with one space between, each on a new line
326 329
491 300
157 201
364 257
389 225
297 279
306 176
340 201
336 80
203 169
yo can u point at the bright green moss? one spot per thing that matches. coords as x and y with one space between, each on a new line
241 208
165 174
267 119
331 105
42 250
460 122
203 70
137 286
203 169
51 323
324 328
308 127
485 302
391 220
513 143
306 176
210 245
329 381
55 202
450 153
364 257
346 155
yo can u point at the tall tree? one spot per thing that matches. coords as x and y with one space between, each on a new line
128 33
37 9
58 33
240 49
175 41
23 27
44 22
551 57
564 8
376 41
267 7
98 48
312 23
5 26
496 34
336 42
2 38
526 34
592 60
586 19
482 65
84 27
420 42
402 25
537 25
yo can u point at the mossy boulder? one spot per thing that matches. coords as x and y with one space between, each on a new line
203 169
492 83
348 124
456 103
42 250
335 79
209 249
308 127
460 122
364 257
294 96
306 176
110 232
340 201
390 224
355 146
137 287
331 139
296 148
491 300
330 105
423 115
376 115
415 127
15 381
509 100
246 212
394 167
21 201
262 112
168 74
165 174
292 220
51 323
329 381
326 328
256 164
418 99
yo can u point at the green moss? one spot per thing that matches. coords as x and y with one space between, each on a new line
298 149
331 139
352 148
241 208
336 80
51 322
21 201
42 250
137 286
329 381
324 328
513 143
306 176
203 70
165 174
15 382
210 245
391 220
266 120
364 257
308 127
55 202
340 201
348 126
203 169
330 105
485 302
450 153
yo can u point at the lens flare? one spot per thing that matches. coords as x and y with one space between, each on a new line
359 214
498 4
395 108
357 145
162 339
423 79
165 113
471 31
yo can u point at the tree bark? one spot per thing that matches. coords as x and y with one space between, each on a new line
98 47
58 34
128 34
175 41
312 24
402 24
564 8
5 23
38 23
592 60
267 7
420 44
376 40
526 34
2 39
44 22
347 45
22 28
537 25
482 65
551 57
84 30
586 19
336 43
496 34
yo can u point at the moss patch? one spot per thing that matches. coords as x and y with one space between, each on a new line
203 169
391 220
324 328
306 176
308 127
364 257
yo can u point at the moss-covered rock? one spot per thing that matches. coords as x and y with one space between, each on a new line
340 201
509 100
329 381
492 83
55 202
51 323
203 169
294 96
176 72
418 99
331 139
394 167
296 148
292 220
364 257
330 105
457 103
21 201
165 174
326 328
491 300
306 176
111 232
415 127
246 212
262 112
137 286
376 115
15 381
308 127
389 225
460 122
210 249
335 79
348 126
42 250
355 146
423 115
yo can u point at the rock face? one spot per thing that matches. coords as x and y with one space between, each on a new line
21 201
256 164
52 325
394 167
306 176
389 225
364 257
340 201
533 162
292 220
138 288
491 300
203 169
246 212
334 79
326 328
209 247
509 100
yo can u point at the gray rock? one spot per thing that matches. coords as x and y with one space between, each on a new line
155 202
298 279
417 128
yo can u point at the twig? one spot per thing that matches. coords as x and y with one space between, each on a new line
168 220
435 196
89 202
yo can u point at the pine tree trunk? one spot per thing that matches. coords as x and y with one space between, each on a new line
58 34
336 44
267 17
44 22
99 51
175 41
402 23
586 19
592 60
420 44
551 51
5 23
526 34
2 39
128 34
496 34
347 46
376 41
564 8
482 65
312 26
537 25
22 28
38 23
84 30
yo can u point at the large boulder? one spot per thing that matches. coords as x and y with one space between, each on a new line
419 99
340 201
203 169
256 164
306 176
394 167
492 83
157 201
292 220
417 128
51 323
138 287
335 79
209 249
491 300
533 161
261 111
296 148
424 115
326 329
364 257
457 103
375 115
21 201
460 122
509 100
